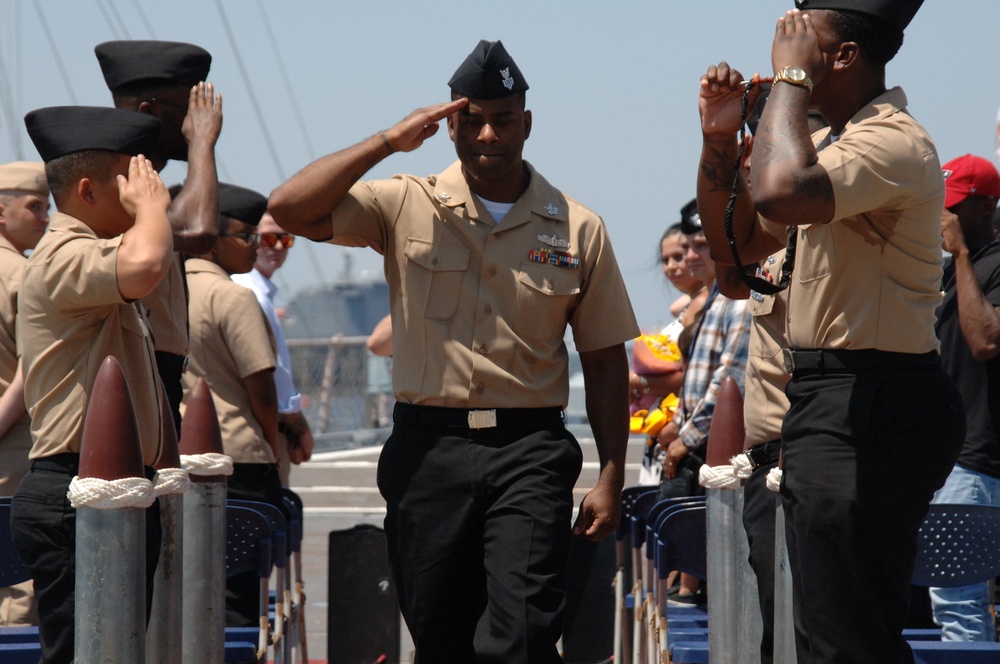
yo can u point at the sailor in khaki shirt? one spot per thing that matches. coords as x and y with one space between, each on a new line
487 264
232 347
874 425
24 216
108 246
167 80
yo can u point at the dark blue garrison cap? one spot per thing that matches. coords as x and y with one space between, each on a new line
127 62
690 219
488 73
241 203
897 12
57 131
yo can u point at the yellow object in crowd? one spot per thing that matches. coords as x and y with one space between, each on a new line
651 421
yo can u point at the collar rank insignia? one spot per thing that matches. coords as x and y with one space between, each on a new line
443 197
556 258
553 241
508 81
551 209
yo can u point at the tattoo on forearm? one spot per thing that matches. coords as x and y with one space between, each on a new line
718 167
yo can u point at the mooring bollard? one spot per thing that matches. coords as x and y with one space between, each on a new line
110 496
724 507
784 627
164 635
204 602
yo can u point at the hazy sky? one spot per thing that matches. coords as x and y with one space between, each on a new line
613 91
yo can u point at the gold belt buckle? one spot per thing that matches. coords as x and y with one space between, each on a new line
482 419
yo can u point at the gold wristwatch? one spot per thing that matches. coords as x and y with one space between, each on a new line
795 76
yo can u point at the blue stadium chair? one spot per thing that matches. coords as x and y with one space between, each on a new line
249 547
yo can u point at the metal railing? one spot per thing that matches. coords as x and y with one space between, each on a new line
344 387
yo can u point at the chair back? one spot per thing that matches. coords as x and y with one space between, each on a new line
681 540
657 511
637 522
278 524
248 542
630 495
958 545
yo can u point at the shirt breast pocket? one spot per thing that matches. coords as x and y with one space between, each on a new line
434 274
545 296
816 252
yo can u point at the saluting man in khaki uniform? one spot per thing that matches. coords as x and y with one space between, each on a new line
874 425
167 80
487 264
108 246
24 216
232 347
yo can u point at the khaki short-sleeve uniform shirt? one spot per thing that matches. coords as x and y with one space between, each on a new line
765 402
167 310
870 278
230 340
480 309
16 443
71 316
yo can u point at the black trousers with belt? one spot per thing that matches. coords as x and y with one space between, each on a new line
478 529
43 526
759 504
864 451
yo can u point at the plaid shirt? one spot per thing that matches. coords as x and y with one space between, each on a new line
718 350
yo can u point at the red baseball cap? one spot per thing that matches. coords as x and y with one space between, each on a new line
969 176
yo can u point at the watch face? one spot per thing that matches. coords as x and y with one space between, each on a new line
795 74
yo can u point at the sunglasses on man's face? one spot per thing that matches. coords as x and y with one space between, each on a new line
271 240
248 237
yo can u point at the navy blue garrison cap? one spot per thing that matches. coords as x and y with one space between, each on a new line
241 203
488 73
127 62
690 219
57 131
896 12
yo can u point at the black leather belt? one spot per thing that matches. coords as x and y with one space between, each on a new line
69 464
822 360
462 418
763 453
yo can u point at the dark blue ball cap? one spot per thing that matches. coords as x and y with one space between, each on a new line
690 219
241 203
58 131
896 12
488 73
127 62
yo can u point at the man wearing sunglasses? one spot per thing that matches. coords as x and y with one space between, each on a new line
295 441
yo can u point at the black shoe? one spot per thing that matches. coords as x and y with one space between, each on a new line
696 598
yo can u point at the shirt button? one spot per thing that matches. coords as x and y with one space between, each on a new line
493 272
480 388
434 261
488 309
482 350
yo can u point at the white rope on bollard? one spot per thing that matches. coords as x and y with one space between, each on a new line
171 482
718 477
774 479
741 466
110 494
207 464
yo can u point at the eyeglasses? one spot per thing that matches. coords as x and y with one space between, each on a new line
271 240
249 238
170 103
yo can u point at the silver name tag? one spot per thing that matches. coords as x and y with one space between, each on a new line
482 419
